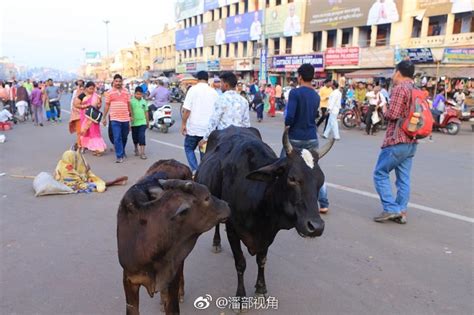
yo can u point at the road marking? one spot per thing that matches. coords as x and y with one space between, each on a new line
368 194
63 110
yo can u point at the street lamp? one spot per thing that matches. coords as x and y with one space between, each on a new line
106 22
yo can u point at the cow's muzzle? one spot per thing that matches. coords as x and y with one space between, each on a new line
310 228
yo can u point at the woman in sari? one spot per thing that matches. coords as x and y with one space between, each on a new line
91 137
75 120
271 94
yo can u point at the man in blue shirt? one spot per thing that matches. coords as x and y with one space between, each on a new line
301 114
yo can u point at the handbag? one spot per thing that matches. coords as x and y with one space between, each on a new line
93 114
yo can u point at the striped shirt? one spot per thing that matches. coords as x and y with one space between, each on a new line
119 101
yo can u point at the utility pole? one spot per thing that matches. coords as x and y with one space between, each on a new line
263 50
106 22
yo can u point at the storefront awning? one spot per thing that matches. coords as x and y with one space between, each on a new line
370 73
450 72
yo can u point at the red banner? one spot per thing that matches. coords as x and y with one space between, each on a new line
342 56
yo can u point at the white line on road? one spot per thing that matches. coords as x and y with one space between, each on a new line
368 194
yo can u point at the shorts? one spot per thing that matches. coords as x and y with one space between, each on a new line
138 134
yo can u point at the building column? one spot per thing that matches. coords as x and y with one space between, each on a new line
324 40
450 24
355 37
223 51
373 36
339 37
271 47
282 45
424 26
231 48
240 50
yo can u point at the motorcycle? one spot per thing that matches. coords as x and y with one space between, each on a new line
176 95
349 118
449 120
162 118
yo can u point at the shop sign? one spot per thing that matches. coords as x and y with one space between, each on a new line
227 64
244 65
263 66
376 57
348 56
181 68
190 67
292 63
458 55
201 66
415 55
213 65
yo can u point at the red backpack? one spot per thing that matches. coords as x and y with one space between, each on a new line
419 122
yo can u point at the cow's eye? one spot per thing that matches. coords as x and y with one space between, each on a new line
292 180
207 198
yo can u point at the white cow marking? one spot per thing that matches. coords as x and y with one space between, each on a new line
308 158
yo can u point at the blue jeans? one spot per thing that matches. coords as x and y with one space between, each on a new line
190 144
308 145
397 157
120 131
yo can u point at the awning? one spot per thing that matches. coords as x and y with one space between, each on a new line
450 72
370 73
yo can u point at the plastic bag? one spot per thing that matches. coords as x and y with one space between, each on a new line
44 184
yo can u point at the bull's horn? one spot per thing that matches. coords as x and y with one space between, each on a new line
325 149
286 142
186 186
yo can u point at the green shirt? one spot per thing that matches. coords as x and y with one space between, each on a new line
139 111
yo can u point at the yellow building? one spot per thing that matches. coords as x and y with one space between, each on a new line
360 39
163 51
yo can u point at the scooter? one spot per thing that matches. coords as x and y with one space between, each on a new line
449 120
162 118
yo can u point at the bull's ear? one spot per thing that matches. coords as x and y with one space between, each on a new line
181 211
269 172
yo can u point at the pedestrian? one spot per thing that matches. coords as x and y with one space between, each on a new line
37 104
91 137
21 101
270 91
279 97
439 105
230 108
460 97
28 85
301 114
324 93
359 96
217 86
334 106
198 108
257 102
398 149
75 118
54 95
3 94
140 122
372 99
79 89
117 103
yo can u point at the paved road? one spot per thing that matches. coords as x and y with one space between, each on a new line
58 254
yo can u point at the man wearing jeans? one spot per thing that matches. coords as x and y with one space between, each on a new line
301 114
398 150
117 102
54 95
198 108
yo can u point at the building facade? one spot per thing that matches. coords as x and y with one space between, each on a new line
361 39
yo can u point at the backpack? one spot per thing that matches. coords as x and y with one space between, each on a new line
419 122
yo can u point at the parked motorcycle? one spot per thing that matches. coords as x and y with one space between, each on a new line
349 118
162 118
449 120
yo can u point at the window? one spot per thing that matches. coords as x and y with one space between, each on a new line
416 28
267 3
236 49
200 51
227 50
212 50
246 6
278 2
383 35
289 44
254 48
245 49
347 37
437 25
365 33
332 38
276 43
317 38
212 15
463 23
219 51
219 15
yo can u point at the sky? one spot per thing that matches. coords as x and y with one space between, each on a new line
55 33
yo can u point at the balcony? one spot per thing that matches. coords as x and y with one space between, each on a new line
442 40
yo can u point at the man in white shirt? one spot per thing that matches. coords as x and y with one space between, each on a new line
334 106
255 28
460 97
383 12
220 34
198 108
292 25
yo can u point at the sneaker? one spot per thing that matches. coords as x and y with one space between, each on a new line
41 125
402 219
120 160
143 157
385 216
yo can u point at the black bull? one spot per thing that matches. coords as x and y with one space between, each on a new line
265 193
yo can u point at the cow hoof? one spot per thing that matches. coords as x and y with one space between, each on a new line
216 249
260 295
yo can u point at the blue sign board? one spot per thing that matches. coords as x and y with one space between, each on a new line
244 27
262 76
292 63
189 38
415 55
